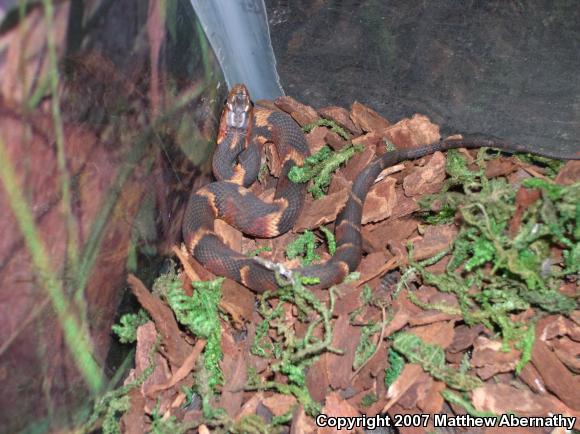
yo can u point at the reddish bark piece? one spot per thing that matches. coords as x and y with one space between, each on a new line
568 351
337 407
146 342
370 140
335 141
500 167
426 179
404 205
321 211
370 264
339 183
400 320
346 338
237 301
557 378
349 299
367 119
301 424
341 116
489 359
435 239
502 398
464 337
182 372
390 230
318 378
380 201
302 113
134 421
416 392
177 348
411 373
357 163
524 199
316 139
278 404
439 333
569 174
431 316
433 401
410 133
516 178
251 405
234 367
533 379
557 325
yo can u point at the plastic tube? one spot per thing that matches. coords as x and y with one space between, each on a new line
238 32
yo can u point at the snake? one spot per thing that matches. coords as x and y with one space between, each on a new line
244 130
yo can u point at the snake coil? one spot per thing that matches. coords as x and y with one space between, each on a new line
243 132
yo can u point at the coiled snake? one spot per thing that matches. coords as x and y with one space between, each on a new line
236 162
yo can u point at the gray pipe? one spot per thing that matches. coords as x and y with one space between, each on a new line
238 32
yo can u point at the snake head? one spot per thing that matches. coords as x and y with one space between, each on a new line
238 110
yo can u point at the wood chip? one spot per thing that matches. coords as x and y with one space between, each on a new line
439 333
464 337
380 201
502 398
335 141
177 349
500 167
337 407
557 378
490 359
279 404
357 163
301 424
524 199
410 133
436 239
379 234
182 371
427 179
301 113
316 139
569 174
341 116
321 211
367 119
346 338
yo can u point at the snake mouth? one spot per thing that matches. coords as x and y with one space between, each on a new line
239 107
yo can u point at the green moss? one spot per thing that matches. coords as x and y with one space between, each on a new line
396 365
432 360
126 330
320 167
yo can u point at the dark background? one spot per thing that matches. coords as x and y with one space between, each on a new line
506 68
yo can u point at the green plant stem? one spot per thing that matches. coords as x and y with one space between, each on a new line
77 341
71 226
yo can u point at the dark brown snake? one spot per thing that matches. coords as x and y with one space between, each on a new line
243 132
